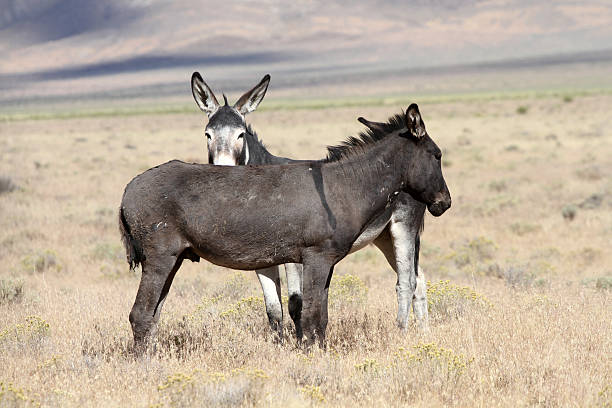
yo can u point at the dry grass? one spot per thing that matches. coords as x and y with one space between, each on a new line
524 318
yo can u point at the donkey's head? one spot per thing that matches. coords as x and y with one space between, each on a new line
425 181
226 128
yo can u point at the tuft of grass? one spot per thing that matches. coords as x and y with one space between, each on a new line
604 283
493 205
512 148
368 365
521 229
497 186
521 110
239 387
604 396
11 290
6 185
568 98
590 173
41 262
518 277
235 286
592 202
313 393
182 338
569 212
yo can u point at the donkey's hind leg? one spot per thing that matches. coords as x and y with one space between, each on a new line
294 289
401 249
385 244
419 302
157 275
270 285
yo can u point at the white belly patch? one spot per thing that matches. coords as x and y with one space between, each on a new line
372 231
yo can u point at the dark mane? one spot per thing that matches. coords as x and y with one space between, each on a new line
254 134
356 144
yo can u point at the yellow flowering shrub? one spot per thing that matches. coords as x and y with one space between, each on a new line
348 289
446 299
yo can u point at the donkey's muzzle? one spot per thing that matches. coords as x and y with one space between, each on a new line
438 207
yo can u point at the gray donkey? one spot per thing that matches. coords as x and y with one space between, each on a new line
396 232
255 217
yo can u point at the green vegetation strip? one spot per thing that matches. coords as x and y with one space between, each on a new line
308 104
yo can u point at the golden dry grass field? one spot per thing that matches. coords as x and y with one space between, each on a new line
519 269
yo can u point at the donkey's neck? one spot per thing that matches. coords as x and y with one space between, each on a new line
375 176
258 154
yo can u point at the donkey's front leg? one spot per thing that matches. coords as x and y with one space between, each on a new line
270 284
317 270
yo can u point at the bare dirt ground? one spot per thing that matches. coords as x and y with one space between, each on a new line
519 270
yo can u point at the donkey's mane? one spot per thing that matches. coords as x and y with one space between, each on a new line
357 144
254 134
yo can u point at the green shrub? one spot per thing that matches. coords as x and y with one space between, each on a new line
473 252
521 229
521 110
11 290
497 186
6 185
109 252
41 262
604 283
569 212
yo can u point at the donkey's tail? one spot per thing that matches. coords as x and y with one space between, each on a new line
133 248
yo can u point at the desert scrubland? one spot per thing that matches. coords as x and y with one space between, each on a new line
519 269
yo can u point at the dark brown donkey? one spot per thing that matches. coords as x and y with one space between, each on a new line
396 232
253 217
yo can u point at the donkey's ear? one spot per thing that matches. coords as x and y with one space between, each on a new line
250 100
414 123
374 126
203 95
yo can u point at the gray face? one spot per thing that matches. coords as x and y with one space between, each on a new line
226 129
225 136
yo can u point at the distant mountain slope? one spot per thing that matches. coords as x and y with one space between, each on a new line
58 40
45 34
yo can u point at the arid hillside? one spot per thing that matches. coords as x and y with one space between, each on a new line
83 47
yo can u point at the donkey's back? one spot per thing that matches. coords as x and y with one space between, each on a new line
237 217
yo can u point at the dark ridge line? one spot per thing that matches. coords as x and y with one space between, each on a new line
146 63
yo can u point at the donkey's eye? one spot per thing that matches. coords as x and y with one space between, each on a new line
240 136
208 136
